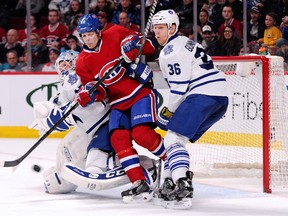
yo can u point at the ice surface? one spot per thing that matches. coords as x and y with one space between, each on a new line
22 192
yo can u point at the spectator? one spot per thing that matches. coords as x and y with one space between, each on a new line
227 44
54 34
283 52
24 65
103 21
127 6
208 36
12 63
74 25
36 6
23 32
53 55
248 50
60 5
2 36
255 28
227 14
271 34
75 9
185 14
72 44
284 30
237 8
40 52
107 6
12 43
203 21
161 5
125 22
215 12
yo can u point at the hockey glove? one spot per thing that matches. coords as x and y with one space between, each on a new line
84 98
130 47
54 117
163 118
141 71
47 116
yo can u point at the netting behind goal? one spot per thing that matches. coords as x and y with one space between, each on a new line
251 139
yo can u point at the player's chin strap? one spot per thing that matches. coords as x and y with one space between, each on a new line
75 104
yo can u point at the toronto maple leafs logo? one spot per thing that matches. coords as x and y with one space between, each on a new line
168 49
73 78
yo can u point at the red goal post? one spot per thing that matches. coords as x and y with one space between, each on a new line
252 137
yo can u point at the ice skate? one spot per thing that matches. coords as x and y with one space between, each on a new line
181 196
139 192
166 188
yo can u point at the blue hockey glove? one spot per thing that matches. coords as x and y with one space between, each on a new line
141 71
163 118
84 98
54 117
130 47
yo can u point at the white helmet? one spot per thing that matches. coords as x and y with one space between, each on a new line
66 63
166 17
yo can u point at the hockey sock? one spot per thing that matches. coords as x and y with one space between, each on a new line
128 156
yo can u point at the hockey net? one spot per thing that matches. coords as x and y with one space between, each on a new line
251 139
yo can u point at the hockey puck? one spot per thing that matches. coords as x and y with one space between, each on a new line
36 168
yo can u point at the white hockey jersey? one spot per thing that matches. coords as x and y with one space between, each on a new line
189 70
89 118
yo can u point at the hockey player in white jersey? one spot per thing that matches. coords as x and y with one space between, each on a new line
86 148
197 99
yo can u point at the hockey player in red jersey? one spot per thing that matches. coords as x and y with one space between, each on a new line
133 102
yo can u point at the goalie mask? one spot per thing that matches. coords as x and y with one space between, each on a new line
66 63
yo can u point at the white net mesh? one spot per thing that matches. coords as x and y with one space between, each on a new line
234 145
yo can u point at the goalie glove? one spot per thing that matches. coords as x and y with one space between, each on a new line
163 118
141 71
130 47
84 98
44 123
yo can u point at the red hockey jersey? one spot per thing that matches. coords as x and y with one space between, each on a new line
122 90
57 34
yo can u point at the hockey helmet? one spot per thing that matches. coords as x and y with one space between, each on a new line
87 23
66 63
168 17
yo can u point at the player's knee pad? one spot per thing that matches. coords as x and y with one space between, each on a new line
172 138
55 184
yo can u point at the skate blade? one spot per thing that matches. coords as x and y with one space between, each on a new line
143 197
185 203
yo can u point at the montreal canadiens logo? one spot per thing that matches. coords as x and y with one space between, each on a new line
115 76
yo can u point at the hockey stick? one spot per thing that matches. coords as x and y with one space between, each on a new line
73 106
146 30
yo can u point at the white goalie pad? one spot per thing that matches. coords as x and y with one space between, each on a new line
109 179
72 149
95 181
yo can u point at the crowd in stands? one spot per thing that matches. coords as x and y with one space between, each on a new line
53 25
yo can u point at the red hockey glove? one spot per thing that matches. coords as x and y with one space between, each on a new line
130 47
84 98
